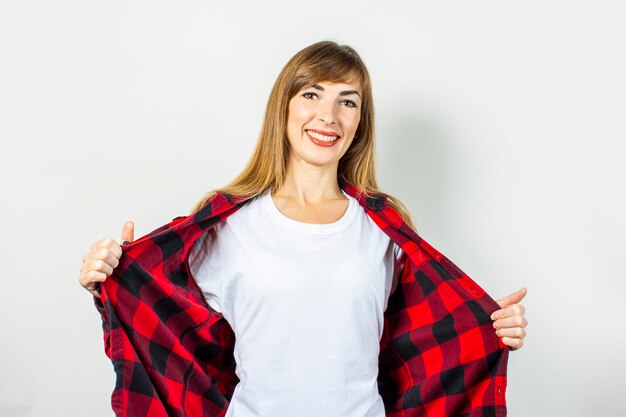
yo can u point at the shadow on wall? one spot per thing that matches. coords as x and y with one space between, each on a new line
414 161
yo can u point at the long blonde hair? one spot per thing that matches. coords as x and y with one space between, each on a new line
266 169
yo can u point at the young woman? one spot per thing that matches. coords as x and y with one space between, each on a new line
303 272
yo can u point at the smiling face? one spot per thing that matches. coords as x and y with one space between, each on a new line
322 121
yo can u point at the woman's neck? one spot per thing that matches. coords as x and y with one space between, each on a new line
308 184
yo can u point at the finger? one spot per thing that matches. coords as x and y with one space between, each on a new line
112 248
87 256
95 276
512 310
513 321
512 298
513 343
89 279
109 255
513 332
103 243
128 232
98 265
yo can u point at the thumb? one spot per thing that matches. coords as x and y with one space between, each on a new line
128 232
513 298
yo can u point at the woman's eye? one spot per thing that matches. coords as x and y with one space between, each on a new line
311 95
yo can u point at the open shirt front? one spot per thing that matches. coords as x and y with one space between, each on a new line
173 354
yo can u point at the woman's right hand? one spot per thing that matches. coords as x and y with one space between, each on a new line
102 259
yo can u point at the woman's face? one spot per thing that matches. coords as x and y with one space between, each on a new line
322 121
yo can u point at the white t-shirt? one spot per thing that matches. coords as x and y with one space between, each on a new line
306 304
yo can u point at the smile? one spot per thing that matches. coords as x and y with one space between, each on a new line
320 139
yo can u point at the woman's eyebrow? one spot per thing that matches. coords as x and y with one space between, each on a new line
342 93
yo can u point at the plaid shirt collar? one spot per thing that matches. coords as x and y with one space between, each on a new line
173 354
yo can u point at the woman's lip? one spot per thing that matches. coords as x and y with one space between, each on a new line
319 142
323 132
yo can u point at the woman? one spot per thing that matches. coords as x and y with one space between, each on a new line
303 272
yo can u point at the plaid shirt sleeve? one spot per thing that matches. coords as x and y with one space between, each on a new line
105 325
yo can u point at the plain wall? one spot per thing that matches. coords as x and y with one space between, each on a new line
500 125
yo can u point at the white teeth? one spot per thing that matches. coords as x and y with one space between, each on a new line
322 137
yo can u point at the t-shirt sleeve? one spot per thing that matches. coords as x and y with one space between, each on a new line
207 266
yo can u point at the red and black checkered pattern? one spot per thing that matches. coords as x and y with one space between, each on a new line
173 354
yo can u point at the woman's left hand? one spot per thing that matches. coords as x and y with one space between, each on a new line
510 322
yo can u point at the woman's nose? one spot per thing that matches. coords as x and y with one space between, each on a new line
327 113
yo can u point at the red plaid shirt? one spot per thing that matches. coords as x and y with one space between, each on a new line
173 354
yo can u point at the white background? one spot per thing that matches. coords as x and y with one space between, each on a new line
500 124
